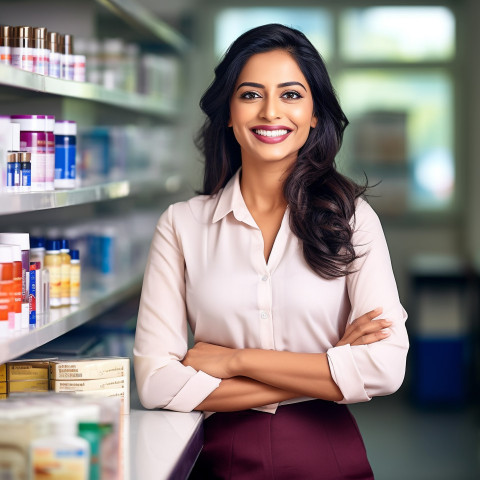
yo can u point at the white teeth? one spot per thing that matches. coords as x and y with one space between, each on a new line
271 133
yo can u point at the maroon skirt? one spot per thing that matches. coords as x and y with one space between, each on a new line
308 440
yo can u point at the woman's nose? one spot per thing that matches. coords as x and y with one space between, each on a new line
270 109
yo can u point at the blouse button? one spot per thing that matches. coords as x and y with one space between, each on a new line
264 278
264 315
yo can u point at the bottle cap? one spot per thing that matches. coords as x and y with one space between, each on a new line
30 123
65 127
64 244
37 242
53 245
24 157
12 157
75 254
53 42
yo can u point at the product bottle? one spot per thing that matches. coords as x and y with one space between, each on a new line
6 43
16 319
66 58
37 250
53 263
49 152
23 240
65 273
63 454
65 154
13 172
75 277
22 52
25 172
54 57
41 54
33 295
33 140
6 287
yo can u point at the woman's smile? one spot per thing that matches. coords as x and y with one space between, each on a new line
271 133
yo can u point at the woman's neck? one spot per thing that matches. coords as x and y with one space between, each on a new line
262 188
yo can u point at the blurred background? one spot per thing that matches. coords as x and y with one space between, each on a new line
407 75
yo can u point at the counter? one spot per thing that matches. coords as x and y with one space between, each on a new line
160 444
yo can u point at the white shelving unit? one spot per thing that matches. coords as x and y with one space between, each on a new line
20 79
94 301
27 202
20 84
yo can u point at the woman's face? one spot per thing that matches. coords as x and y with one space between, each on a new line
271 110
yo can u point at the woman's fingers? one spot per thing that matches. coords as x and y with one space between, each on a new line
372 337
365 330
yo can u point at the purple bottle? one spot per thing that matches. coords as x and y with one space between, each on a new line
33 140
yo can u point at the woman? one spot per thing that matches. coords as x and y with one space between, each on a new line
282 272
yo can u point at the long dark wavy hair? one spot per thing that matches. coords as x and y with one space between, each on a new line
321 200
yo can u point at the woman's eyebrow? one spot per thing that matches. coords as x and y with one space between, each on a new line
259 85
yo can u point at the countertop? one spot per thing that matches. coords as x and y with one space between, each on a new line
160 444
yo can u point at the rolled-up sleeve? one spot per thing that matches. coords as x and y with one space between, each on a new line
161 338
364 371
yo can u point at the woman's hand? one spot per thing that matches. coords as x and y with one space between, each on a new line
212 359
364 330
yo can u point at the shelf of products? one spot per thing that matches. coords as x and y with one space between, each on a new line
91 101
94 301
20 79
11 203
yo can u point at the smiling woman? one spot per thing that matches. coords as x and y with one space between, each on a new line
282 272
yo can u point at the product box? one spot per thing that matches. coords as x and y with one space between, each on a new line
3 396
122 393
27 370
90 369
87 385
3 372
16 386
3 387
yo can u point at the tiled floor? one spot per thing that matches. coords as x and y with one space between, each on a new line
407 443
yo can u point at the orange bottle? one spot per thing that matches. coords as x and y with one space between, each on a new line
6 288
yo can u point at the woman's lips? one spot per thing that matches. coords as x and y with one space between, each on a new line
269 134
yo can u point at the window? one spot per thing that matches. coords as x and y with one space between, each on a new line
394 78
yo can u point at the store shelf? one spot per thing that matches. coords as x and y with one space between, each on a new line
94 301
20 79
142 19
31 201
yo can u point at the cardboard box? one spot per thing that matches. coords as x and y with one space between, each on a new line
122 393
3 372
89 369
87 385
27 370
16 386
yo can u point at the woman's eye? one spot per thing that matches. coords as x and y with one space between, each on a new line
291 95
249 95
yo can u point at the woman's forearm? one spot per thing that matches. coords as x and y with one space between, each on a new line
306 374
240 393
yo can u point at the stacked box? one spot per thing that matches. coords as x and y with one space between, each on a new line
105 377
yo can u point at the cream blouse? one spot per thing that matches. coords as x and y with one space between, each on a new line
206 268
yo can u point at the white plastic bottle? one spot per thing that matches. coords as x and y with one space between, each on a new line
63 453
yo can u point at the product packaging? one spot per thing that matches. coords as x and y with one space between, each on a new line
88 369
33 140
23 240
28 370
65 153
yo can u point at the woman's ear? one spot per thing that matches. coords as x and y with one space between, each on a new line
313 123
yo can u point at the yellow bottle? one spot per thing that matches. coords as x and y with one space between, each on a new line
65 273
53 263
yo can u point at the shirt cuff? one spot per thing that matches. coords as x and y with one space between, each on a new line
197 389
346 374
